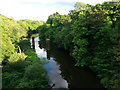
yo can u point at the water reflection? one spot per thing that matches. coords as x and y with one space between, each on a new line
54 74
52 67
41 53
48 54
61 69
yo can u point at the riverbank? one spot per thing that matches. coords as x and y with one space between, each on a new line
61 69
27 71
92 44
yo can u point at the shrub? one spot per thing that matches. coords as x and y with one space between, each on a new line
17 57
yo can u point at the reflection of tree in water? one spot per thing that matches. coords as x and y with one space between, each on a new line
76 77
64 65
48 54
41 43
53 53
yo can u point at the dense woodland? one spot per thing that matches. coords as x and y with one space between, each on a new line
21 68
90 33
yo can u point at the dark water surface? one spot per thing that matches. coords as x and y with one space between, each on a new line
61 69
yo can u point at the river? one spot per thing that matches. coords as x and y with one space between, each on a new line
61 70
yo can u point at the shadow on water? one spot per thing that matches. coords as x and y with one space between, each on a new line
61 69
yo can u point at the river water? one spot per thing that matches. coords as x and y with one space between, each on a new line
61 70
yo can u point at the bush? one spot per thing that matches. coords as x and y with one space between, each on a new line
10 79
35 77
17 57
35 72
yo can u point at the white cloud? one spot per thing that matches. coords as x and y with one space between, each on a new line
69 1
38 9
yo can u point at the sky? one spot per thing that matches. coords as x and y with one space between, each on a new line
38 9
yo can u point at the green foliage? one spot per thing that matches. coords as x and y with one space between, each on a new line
15 65
10 79
30 26
27 68
12 32
81 6
35 77
34 72
35 35
57 28
6 46
17 57
91 34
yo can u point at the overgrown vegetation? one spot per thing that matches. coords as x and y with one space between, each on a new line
92 35
20 70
